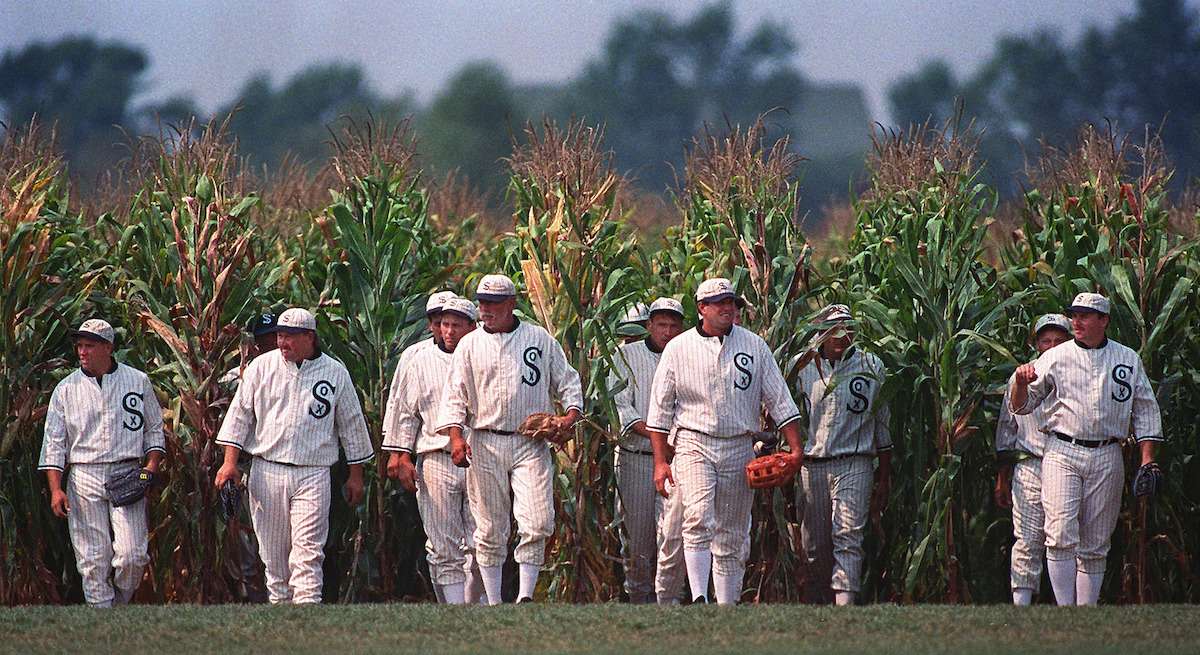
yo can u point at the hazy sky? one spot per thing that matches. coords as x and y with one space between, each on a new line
208 48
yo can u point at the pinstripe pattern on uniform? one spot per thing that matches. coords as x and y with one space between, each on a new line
843 415
510 475
446 513
411 414
497 379
108 541
716 498
634 364
396 390
1081 493
88 422
297 414
834 499
670 572
289 506
1023 434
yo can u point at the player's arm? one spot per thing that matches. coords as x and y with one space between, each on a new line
402 424
567 387
1006 442
153 442
452 410
1031 385
229 469
628 417
58 497
351 428
239 423
660 417
663 454
1146 419
54 453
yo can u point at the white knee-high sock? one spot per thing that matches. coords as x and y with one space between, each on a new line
1087 588
1062 578
843 598
439 593
492 576
474 592
728 588
1022 596
454 593
529 578
699 563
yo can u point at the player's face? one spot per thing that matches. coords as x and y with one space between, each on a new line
265 343
838 343
296 346
1049 338
1089 327
95 355
719 316
435 326
663 327
497 314
454 328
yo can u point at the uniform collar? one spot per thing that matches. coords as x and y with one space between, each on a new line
701 332
650 346
100 378
516 324
1087 347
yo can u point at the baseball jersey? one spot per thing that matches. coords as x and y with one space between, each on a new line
297 414
634 363
395 391
1020 433
412 409
844 415
497 379
717 385
1095 393
92 421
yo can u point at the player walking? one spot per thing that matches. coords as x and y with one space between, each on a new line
1096 396
293 408
102 420
499 376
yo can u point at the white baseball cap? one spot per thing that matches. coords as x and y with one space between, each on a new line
834 314
1054 321
95 328
1089 302
715 290
666 305
461 307
437 300
297 319
495 288
636 314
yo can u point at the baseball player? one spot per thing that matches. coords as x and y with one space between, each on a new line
293 408
847 432
637 501
632 326
710 386
499 376
408 431
1021 444
1096 396
102 420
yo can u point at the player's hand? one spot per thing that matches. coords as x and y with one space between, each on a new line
883 490
400 468
354 489
1025 374
663 477
1003 491
460 452
59 503
226 473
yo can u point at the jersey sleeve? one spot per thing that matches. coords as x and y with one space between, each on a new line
240 421
567 388
660 415
391 411
1006 426
1040 388
402 415
350 424
883 414
453 409
54 438
152 435
622 374
1147 418
775 394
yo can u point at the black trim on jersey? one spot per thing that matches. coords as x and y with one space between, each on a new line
700 330
650 346
516 324
441 346
1087 347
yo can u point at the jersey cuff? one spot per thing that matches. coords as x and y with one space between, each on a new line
662 430
51 467
625 428
1154 438
229 443
446 428
881 449
788 420
361 459
154 448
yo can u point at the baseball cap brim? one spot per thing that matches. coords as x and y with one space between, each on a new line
719 297
491 297
666 309
90 335
1076 310
458 313
291 329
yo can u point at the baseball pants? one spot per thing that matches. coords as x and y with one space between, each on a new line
636 507
1028 521
442 501
711 474
289 506
670 571
1081 494
510 475
835 499
110 542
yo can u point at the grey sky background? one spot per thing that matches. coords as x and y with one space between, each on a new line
208 48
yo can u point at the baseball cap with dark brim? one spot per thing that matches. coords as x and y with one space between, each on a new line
715 290
461 307
1057 321
263 324
1089 302
666 305
438 301
495 288
296 320
95 328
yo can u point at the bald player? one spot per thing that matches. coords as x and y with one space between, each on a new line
710 386
408 432
294 407
102 420
847 432
637 502
1096 395
1021 444
498 377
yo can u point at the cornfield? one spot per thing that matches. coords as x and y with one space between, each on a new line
191 244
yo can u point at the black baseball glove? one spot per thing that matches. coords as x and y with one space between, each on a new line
129 487
1149 479
231 500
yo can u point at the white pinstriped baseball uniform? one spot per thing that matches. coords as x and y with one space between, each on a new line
711 390
1020 437
670 572
634 363
292 420
496 380
97 429
847 428
408 426
1098 395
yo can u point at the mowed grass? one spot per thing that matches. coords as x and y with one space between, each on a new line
428 629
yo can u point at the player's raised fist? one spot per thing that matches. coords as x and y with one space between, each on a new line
1025 374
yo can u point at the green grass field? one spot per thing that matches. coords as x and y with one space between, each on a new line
329 629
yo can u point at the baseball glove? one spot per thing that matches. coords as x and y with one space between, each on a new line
771 470
231 500
129 487
543 425
1149 479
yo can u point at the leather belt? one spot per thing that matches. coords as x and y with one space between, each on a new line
1086 443
819 460
636 452
503 433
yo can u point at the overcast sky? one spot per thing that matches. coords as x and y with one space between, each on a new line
208 48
